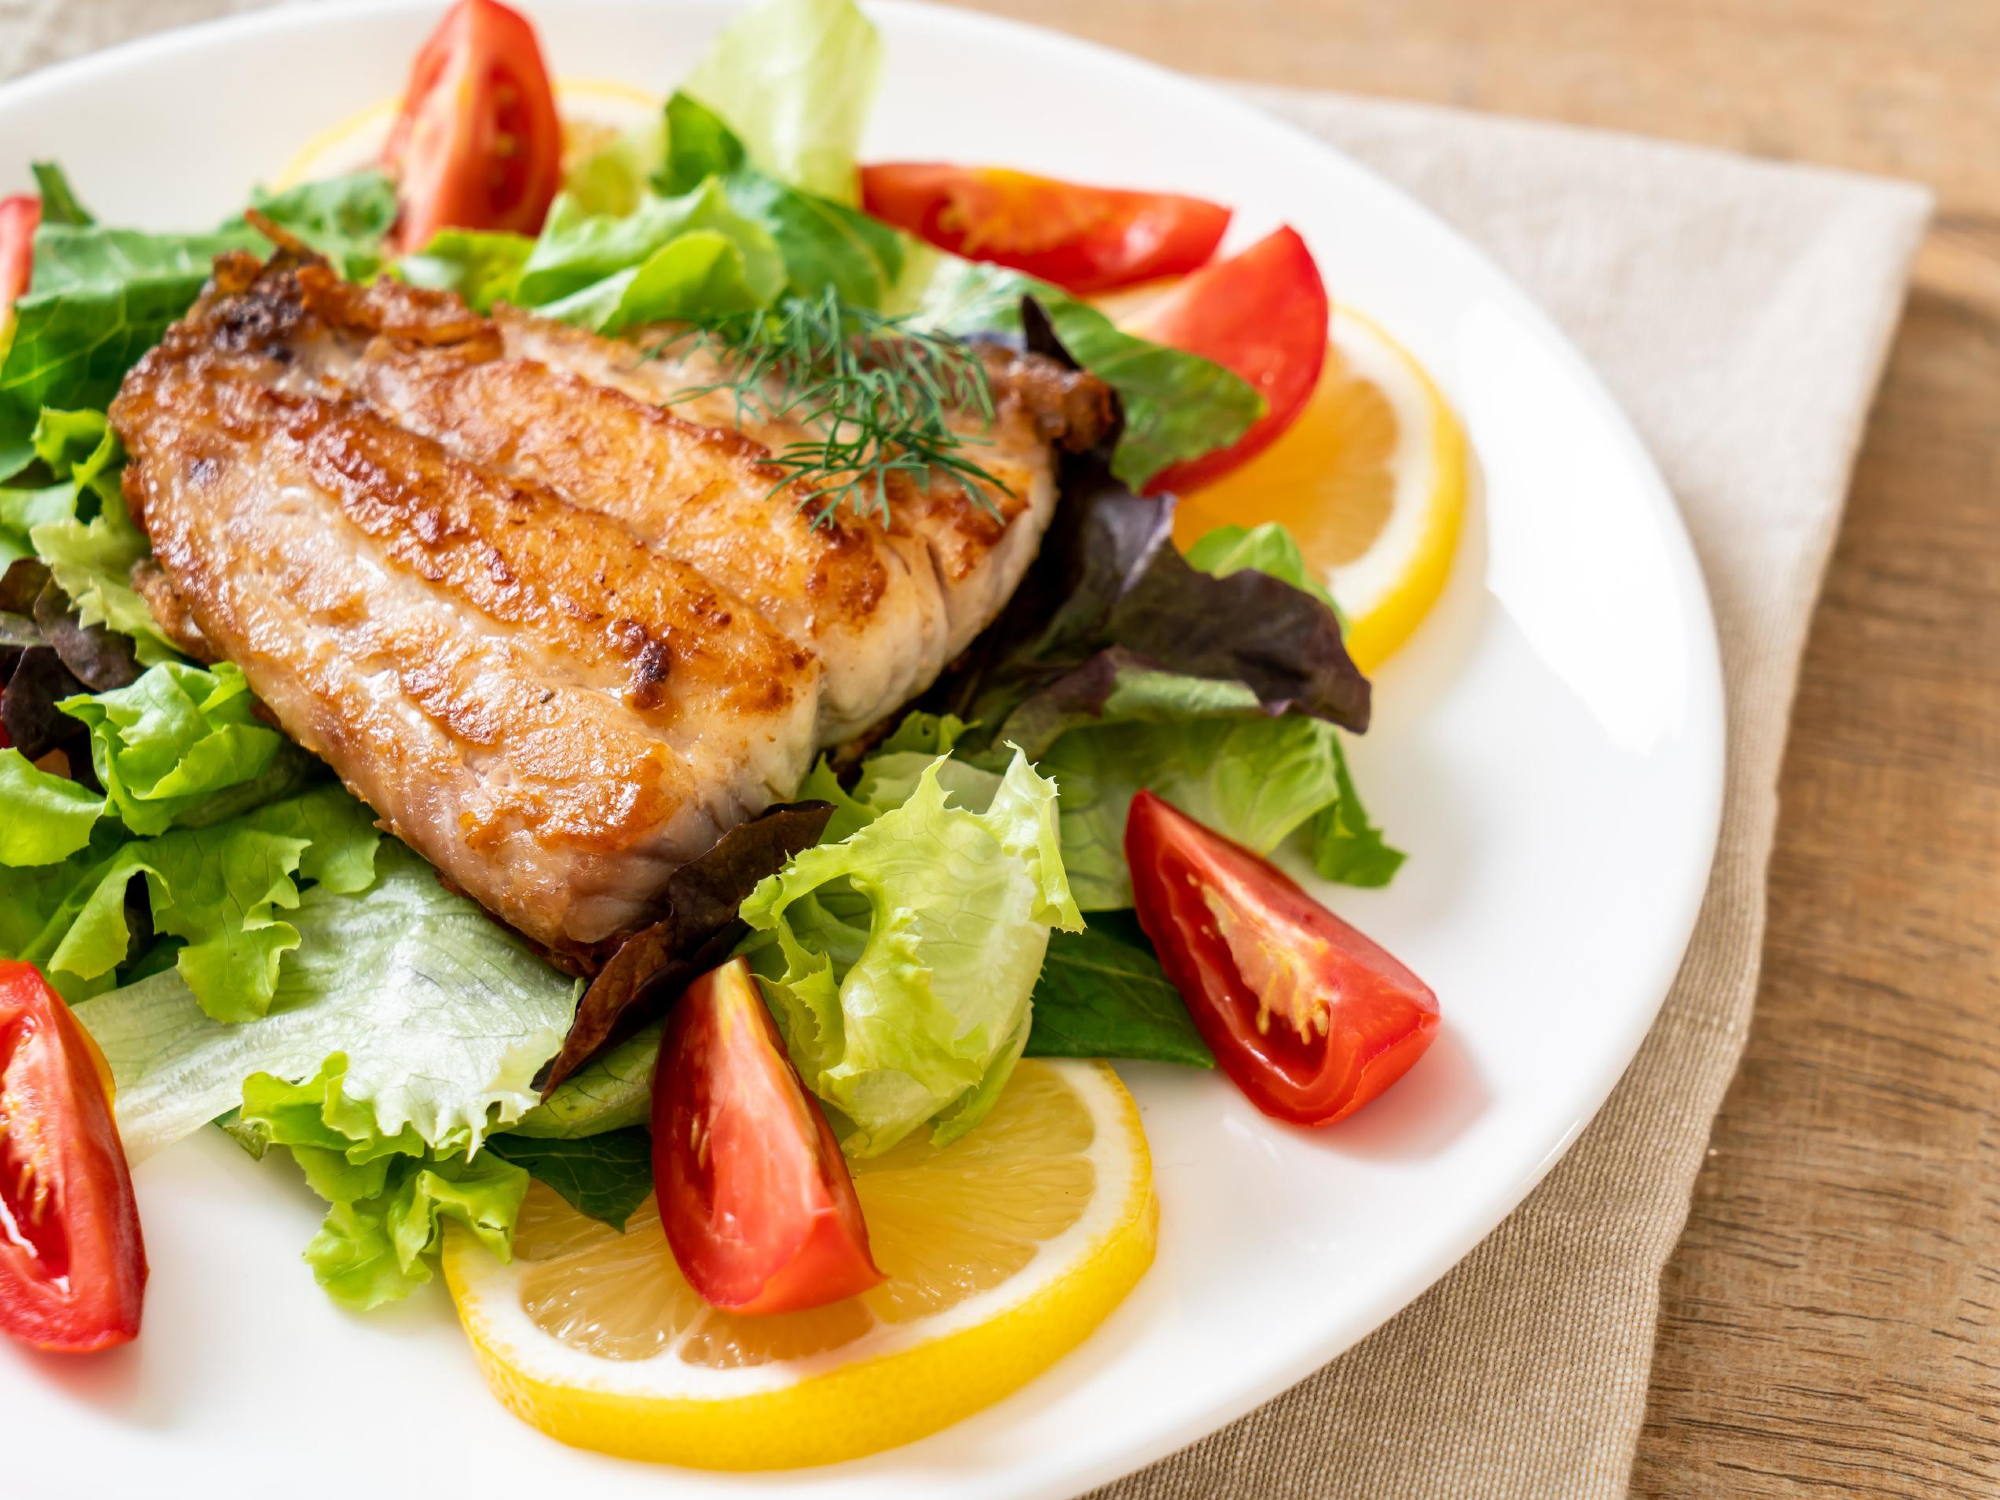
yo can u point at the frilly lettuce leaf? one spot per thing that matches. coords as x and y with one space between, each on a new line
169 742
442 1016
378 1249
79 525
795 79
387 1194
220 888
900 962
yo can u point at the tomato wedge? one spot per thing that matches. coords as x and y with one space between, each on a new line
1262 314
72 1264
752 1189
1308 1017
477 144
20 215
1084 239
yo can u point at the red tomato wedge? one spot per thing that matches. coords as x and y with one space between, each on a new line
20 215
752 1189
1083 239
477 144
1308 1017
72 1264
1262 314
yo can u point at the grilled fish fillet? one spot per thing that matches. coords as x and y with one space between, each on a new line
556 633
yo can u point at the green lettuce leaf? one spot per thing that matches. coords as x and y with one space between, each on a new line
169 742
1258 780
344 218
606 1175
219 888
615 178
689 256
59 201
79 525
379 1249
48 818
441 1018
900 962
98 299
1346 846
1103 994
483 266
825 243
612 1091
387 1194
794 78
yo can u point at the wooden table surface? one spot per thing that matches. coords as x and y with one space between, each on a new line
1832 1316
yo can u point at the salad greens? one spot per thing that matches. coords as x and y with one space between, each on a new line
247 949
168 744
1268 548
606 1175
59 200
344 218
899 962
98 298
387 1195
1102 993
377 1247
440 1018
77 523
611 1091
796 78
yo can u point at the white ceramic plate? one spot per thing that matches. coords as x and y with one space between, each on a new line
1549 749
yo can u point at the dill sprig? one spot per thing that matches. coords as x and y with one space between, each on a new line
876 391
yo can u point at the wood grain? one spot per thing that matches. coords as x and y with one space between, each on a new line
1831 1320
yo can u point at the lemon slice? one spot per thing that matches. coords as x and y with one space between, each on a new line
1371 481
1003 1250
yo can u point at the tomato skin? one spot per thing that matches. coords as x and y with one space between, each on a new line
1083 239
477 144
1212 907
20 216
1262 314
753 1192
73 1275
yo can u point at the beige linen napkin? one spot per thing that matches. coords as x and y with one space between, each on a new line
1740 311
